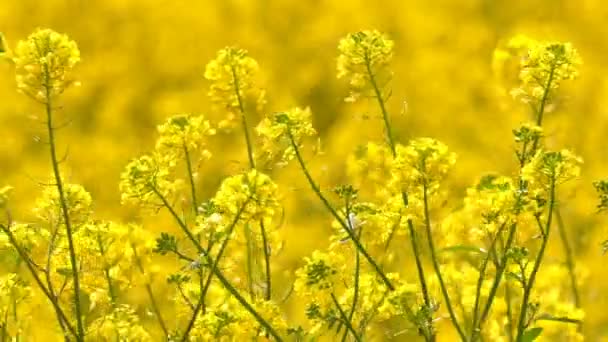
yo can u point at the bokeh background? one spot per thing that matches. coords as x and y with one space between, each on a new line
143 60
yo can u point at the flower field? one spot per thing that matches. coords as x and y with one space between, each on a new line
267 170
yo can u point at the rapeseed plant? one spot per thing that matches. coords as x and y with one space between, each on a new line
490 278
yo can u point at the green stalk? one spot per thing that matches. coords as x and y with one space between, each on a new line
356 277
153 301
435 262
569 257
414 244
250 157
207 284
335 214
345 319
64 207
37 279
521 325
225 282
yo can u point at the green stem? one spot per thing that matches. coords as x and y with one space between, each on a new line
151 296
191 178
345 319
106 271
378 95
569 256
435 262
64 208
225 282
356 278
543 103
521 325
336 216
207 284
391 142
37 279
480 280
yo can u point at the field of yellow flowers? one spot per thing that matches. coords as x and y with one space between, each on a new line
318 170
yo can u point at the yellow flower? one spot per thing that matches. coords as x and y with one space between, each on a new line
181 132
543 66
425 161
363 55
78 202
4 195
551 168
44 63
277 130
232 74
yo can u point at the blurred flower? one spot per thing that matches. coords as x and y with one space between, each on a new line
77 199
44 63
4 195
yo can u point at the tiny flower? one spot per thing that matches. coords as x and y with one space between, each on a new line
547 169
77 199
601 187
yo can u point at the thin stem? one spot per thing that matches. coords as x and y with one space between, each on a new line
414 244
251 158
509 312
207 284
153 302
64 207
356 277
569 256
521 325
543 103
237 90
38 281
335 214
345 319
435 261
480 280
106 271
225 282
378 95
191 178
266 251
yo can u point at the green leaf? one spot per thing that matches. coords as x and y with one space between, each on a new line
531 334
464 248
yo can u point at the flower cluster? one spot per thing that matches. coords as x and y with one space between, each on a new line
543 66
424 162
282 129
184 133
146 181
233 74
77 199
44 63
548 168
363 57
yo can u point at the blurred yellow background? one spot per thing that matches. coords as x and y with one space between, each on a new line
143 60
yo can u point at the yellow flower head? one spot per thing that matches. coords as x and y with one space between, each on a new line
146 181
44 63
78 202
232 74
363 55
425 161
278 129
183 133
543 66
548 169
254 193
